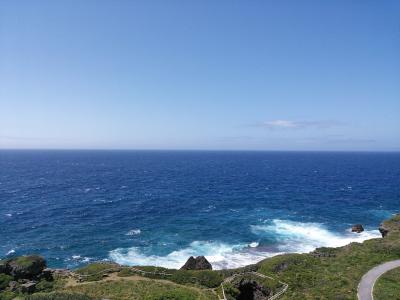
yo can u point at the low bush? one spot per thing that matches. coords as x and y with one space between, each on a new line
57 296
95 271
207 278
4 281
45 286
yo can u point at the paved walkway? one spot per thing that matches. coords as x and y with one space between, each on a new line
366 286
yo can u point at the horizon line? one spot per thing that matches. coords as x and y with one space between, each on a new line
194 150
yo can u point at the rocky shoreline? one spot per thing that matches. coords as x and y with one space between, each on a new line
30 274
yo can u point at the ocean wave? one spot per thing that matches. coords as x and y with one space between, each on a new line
81 259
301 237
220 255
133 232
12 251
287 236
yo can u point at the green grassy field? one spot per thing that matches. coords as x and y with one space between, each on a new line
388 286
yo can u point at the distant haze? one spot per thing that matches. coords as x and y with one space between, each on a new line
225 75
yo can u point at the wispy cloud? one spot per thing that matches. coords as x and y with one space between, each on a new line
28 138
289 124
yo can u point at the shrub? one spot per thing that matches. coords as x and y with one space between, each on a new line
231 292
8 295
95 271
4 281
57 296
45 286
205 278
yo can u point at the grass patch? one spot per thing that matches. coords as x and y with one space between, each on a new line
337 277
57 296
388 286
141 290
95 271
27 261
204 278
5 280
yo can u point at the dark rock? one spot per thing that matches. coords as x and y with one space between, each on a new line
198 263
4 266
13 286
28 287
63 273
26 266
46 274
281 267
190 264
23 281
384 231
252 290
357 228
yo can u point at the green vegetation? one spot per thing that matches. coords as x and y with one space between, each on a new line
4 281
327 273
141 290
27 261
95 271
57 296
388 286
8 295
336 277
204 278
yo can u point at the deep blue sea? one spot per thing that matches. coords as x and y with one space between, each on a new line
159 207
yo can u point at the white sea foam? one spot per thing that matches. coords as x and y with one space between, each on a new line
12 251
8 215
81 259
133 232
305 237
220 255
290 237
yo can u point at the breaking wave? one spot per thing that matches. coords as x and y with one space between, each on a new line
301 237
220 255
281 236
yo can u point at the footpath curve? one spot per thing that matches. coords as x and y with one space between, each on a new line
366 285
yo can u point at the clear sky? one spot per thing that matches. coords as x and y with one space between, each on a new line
262 75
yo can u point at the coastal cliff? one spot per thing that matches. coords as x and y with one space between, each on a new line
326 273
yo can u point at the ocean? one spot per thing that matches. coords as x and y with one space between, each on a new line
160 207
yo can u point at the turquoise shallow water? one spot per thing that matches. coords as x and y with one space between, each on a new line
159 207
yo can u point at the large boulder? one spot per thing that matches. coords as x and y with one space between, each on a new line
4 266
26 266
198 263
357 228
383 230
28 287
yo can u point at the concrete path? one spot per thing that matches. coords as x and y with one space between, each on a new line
366 286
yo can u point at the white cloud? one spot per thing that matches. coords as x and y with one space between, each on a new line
288 124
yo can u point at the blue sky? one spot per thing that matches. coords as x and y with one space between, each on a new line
256 75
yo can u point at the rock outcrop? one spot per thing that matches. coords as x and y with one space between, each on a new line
281 267
26 266
28 287
391 227
251 289
357 228
383 230
23 273
198 263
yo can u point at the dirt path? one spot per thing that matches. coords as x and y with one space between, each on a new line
70 282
